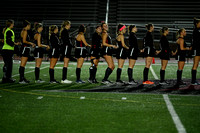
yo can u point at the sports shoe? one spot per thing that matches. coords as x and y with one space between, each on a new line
8 80
95 81
163 82
39 81
80 81
90 81
66 81
132 82
195 83
148 82
181 82
54 82
106 82
24 81
119 82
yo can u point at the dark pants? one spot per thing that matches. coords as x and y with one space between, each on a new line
8 63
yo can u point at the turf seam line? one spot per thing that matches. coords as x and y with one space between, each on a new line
176 119
153 72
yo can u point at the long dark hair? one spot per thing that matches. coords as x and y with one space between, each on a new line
81 28
130 27
8 24
25 23
163 29
196 21
148 26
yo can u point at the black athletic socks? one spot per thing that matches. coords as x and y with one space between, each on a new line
51 73
130 74
107 73
21 72
78 73
162 75
37 73
194 74
179 75
119 71
64 73
91 70
145 74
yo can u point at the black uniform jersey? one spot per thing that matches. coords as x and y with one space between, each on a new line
121 51
148 40
181 54
96 41
27 39
165 49
133 51
54 41
41 40
107 50
65 38
196 41
39 51
133 43
96 45
149 50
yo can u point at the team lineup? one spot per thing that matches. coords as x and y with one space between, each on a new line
101 46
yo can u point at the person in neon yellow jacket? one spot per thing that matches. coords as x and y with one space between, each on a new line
8 51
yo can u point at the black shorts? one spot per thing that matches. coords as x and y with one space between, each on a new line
181 57
66 51
196 52
38 52
149 52
164 56
133 53
80 52
54 53
95 53
107 51
25 51
121 53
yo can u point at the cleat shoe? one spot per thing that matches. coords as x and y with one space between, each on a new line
90 81
106 82
24 81
163 83
148 82
54 82
132 82
195 83
180 83
119 82
80 81
39 81
95 81
66 81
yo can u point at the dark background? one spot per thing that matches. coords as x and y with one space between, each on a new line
171 13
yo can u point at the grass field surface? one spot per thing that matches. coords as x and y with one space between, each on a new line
42 108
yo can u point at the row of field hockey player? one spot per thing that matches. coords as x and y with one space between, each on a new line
106 51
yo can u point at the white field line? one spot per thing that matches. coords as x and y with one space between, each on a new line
153 72
176 120
30 71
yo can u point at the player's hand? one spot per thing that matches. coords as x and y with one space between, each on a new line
47 47
114 46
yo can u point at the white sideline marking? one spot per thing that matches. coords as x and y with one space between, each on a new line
83 97
30 71
153 72
177 121
40 97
